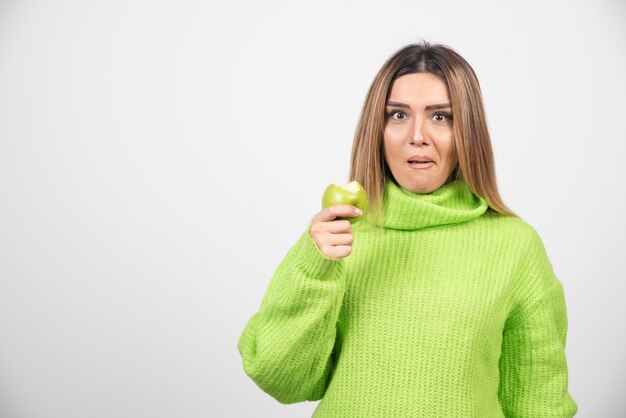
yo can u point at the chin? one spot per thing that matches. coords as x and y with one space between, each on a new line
422 186
422 189
428 186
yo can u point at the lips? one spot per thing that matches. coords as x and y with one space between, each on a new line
420 159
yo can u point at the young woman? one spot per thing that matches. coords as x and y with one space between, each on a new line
439 301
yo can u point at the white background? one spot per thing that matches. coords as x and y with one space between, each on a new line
159 158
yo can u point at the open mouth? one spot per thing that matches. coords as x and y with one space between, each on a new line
421 164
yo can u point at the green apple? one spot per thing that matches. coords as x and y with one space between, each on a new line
351 194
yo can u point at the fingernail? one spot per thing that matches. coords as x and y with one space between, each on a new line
359 211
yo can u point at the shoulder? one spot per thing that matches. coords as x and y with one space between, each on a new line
511 226
530 269
525 246
513 236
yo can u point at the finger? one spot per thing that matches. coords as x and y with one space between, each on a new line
340 239
337 226
329 241
339 251
332 212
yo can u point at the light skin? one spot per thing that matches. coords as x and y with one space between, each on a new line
418 121
333 236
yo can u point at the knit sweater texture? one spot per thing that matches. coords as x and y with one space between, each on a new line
447 310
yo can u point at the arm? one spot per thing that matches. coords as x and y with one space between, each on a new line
286 346
533 366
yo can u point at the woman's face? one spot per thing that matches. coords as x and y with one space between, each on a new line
418 127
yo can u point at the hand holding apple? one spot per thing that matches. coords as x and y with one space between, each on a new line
331 228
350 194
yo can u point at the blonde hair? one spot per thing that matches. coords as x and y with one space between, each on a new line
471 137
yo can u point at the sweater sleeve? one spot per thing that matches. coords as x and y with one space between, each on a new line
286 346
533 366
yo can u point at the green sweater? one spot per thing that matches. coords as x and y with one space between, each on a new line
449 310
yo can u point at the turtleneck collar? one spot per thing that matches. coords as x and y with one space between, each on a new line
452 203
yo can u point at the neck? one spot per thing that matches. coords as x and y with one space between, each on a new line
451 203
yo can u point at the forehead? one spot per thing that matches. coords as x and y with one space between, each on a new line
419 88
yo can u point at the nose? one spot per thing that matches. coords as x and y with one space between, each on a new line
418 136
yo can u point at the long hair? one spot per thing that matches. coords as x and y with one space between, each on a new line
471 137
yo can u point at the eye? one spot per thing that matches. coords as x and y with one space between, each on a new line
397 115
442 117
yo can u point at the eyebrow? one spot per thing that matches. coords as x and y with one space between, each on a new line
430 107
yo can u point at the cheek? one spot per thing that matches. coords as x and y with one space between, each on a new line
392 139
445 143
389 149
394 133
450 152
